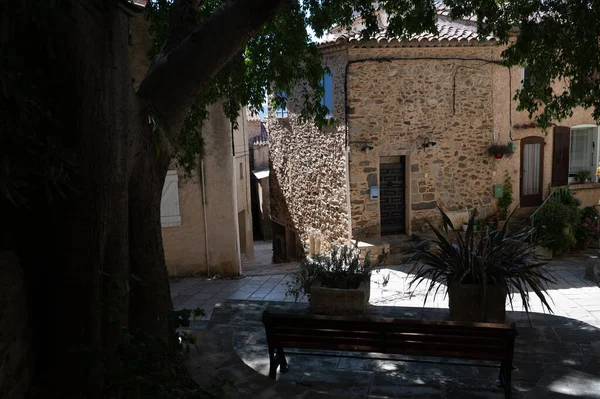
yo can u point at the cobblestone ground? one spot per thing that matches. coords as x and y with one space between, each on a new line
572 296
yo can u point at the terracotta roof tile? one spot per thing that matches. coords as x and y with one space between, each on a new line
462 31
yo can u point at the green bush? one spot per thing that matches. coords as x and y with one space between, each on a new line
588 225
556 223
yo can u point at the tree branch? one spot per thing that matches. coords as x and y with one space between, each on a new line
182 22
176 79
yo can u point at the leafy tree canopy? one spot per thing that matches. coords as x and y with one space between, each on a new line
559 43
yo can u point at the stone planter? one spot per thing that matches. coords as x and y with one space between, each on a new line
339 302
467 303
543 253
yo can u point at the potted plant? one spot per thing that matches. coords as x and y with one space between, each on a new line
499 150
583 176
479 273
506 200
335 284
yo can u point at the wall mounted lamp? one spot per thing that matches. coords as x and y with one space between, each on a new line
366 148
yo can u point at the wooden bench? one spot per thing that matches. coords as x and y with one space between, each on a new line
475 341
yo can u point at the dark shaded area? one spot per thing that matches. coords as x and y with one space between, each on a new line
554 357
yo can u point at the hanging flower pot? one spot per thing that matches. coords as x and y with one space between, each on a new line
499 150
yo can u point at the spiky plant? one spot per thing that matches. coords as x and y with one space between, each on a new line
341 268
492 257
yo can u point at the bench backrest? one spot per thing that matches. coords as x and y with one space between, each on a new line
483 341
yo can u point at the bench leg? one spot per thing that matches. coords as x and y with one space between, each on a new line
283 366
504 379
272 364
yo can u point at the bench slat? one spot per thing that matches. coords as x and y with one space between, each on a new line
410 351
430 336
374 329
323 320
360 325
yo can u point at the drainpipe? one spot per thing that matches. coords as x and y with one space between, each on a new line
205 222
347 153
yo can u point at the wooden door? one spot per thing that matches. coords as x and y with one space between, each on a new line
392 203
532 171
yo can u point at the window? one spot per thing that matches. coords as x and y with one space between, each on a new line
525 79
327 99
241 170
169 204
574 151
583 156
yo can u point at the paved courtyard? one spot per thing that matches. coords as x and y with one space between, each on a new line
572 296
559 354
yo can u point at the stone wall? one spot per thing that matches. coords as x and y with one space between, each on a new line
16 356
260 152
307 171
457 96
395 106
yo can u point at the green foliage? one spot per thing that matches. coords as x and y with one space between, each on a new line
506 200
557 221
584 176
557 42
494 257
281 58
278 59
342 268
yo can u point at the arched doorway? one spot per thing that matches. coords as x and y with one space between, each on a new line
532 171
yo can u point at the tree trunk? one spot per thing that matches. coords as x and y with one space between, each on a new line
79 252
92 259
150 300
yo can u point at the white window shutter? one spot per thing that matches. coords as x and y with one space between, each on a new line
169 204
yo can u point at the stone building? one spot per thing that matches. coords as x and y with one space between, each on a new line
415 120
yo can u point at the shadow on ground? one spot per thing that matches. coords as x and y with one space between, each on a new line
555 357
